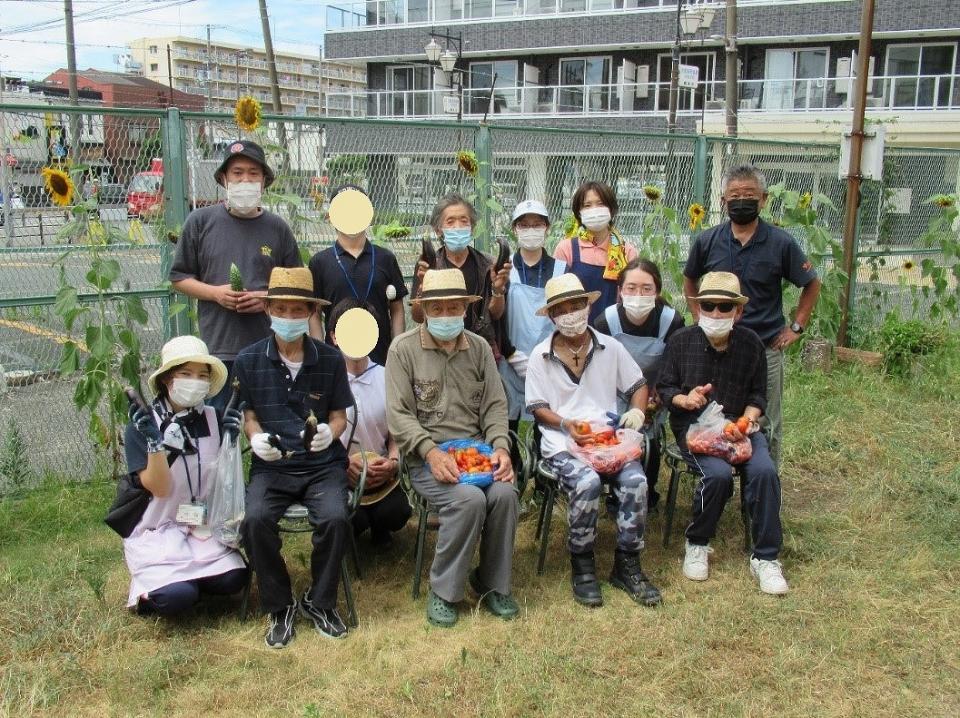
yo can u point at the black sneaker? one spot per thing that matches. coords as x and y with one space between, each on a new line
326 620
281 629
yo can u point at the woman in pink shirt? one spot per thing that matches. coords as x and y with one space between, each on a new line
595 251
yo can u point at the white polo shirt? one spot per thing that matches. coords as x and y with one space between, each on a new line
550 385
370 393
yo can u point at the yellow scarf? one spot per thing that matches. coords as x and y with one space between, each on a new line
616 257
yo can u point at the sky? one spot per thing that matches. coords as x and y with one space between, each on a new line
296 25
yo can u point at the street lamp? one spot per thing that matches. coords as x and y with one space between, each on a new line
688 23
448 58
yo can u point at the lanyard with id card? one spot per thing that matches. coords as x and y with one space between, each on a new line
195 513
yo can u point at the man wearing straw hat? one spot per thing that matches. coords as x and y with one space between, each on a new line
283 379
721 360
443 384
573 376
238 232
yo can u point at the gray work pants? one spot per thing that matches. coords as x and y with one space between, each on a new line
469 515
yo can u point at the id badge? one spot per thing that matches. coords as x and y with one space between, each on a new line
191 514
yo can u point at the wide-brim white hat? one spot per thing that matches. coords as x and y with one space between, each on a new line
183 350
560 289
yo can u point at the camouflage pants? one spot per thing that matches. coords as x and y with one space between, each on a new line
583 488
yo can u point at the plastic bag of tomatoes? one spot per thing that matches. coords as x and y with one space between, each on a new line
474 459
607 450
710 435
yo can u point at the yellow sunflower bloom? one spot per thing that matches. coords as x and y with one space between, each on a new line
697 213
943 201
652 192
248 113
805 199
468 162
908 265
59 185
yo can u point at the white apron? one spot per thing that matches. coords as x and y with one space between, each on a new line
647 352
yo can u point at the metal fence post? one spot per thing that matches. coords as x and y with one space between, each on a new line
175 209
484 151
700 170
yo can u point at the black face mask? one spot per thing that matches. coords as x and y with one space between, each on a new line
743 211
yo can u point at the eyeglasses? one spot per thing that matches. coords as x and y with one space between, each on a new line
722 306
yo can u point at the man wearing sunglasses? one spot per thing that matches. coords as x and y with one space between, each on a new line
721 360
762 256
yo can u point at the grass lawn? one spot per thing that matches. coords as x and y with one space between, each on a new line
871 509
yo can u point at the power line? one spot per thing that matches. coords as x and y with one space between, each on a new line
108 12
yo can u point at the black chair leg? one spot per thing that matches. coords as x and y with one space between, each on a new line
352 619
355 554
671 506
542 513
418 557
549 496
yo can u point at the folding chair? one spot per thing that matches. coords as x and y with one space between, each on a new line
424 509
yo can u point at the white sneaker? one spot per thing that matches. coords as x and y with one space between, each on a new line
696 562
770 575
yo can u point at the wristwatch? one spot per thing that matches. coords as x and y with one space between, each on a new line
796 328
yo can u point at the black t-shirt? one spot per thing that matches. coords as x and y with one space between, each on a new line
649 328
332 280
536 275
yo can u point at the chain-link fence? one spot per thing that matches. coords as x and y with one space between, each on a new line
141 172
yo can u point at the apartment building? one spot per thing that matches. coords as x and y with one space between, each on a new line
606 64
229 71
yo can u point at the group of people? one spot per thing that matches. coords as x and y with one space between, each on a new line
583 336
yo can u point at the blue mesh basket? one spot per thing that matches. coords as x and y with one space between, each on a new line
479 480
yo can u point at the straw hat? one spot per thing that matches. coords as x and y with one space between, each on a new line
183 350
444 284
294 283
720 287
560 289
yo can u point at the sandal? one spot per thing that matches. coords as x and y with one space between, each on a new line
441 613
501 605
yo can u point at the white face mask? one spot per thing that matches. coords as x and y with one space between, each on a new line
243 198
573 324
531 237
188 393
595 218
716 328
638 307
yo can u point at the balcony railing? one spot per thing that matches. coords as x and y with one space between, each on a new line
819 94
349 15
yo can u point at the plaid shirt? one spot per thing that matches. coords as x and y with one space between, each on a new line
281 403
738 375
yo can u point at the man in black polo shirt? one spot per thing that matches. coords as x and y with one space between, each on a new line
762 256
284 378
356 268
721 360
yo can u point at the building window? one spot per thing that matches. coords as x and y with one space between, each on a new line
584 84
792 79
154 67
920 75
408 92
153 49
687 99
448 9
505 95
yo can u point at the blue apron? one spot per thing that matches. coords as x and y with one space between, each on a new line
591 278
526 330
647 352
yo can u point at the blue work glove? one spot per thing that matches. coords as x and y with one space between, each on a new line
144 423
631 419
233 421
613 419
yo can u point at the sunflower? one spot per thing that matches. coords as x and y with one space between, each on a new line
467 159
697 213
59 185
908 265
805 199
943 201
652 192
248 113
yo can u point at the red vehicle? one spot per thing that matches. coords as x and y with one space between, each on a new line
145 192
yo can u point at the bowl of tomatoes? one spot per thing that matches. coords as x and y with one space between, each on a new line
474 460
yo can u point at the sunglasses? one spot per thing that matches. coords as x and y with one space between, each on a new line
722 306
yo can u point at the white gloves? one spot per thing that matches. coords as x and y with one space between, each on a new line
260 443
322 439
518 360
633 419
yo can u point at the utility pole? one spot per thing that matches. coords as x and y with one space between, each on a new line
853 175
72 79
169 77
236 57
730 89
674 76
274 80
209 75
